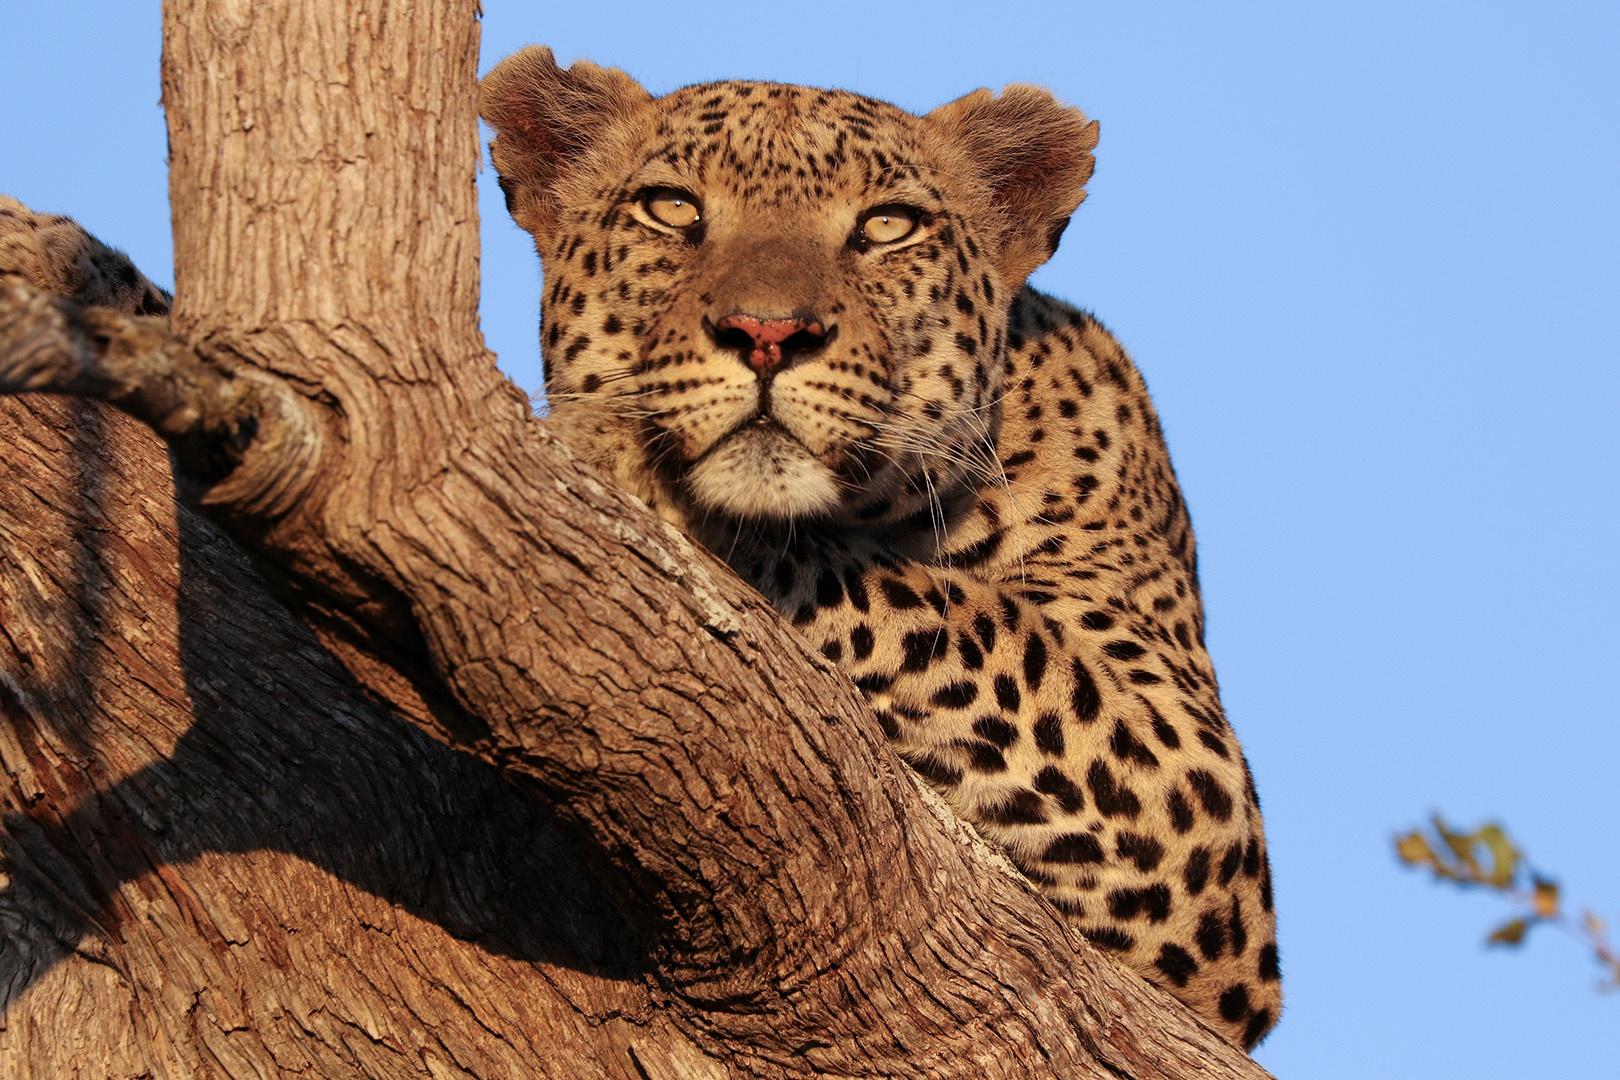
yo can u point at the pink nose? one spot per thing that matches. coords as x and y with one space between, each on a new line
767 343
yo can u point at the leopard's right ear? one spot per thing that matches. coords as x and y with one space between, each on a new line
546 119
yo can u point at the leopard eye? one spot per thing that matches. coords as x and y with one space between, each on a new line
672 206
888 224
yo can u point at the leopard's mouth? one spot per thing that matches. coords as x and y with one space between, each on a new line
760 423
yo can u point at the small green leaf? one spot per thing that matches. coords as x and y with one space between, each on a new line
1504 856
1545 898
1511 933
1462 848
1413 849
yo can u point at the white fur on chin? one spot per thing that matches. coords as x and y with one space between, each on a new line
763 474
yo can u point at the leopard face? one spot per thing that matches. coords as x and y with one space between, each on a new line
794 301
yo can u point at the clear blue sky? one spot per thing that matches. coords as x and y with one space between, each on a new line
1369 257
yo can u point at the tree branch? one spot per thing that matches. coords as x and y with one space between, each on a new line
225 420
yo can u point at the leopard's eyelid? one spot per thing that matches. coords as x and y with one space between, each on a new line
647 191
639 188
912 203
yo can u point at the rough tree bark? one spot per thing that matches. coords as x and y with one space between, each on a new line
374 737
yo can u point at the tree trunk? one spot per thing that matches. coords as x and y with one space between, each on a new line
375 737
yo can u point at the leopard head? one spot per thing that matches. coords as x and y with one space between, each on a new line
792 303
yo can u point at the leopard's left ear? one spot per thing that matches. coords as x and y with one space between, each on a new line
547 120
1034 154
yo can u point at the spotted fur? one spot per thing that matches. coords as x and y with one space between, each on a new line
56 254
958 490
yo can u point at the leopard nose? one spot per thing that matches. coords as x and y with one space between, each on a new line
767 345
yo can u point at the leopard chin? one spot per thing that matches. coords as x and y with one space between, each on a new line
762 472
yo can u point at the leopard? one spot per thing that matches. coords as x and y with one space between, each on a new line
57 254
796 323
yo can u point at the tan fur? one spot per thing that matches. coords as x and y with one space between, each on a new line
55 254
961 494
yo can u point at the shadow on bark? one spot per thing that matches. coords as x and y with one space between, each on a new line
286 752
70 678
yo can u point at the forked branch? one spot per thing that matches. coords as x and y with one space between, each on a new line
245 437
